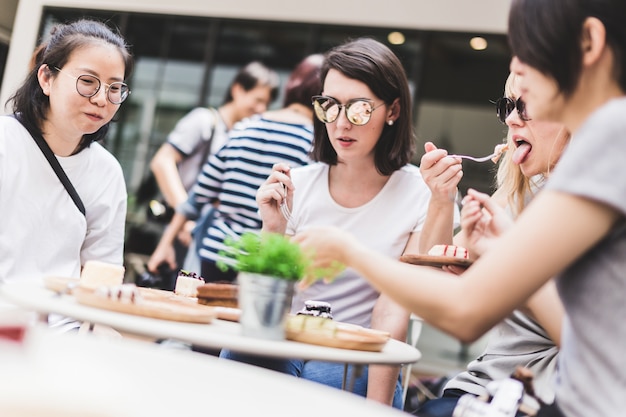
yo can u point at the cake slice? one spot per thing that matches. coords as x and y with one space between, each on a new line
187 283
97 273
449 250
219 294
498 151
125 293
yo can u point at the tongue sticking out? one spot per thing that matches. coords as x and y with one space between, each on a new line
521 153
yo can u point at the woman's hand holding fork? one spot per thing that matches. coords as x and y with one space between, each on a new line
274 198
483 221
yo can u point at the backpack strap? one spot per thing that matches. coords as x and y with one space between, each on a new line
212 127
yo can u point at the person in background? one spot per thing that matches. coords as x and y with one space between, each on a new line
203 131
530 336
570 61
232 175
73 90
363 147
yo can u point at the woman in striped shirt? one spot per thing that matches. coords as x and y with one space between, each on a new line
230 178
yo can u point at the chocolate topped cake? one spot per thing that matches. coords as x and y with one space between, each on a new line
187 282
316 309
218 294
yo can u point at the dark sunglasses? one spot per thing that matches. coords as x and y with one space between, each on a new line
506 105
358 110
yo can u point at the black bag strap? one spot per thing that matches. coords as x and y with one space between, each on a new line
56 166
207 149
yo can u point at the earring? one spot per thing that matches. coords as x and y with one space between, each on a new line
390 122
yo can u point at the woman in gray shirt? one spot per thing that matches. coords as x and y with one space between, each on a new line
569 56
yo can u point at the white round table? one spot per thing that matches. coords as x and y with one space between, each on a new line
218 334
70 375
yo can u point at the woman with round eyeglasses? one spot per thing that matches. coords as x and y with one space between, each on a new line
64 106
363 182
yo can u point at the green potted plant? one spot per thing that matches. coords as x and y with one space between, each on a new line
269 265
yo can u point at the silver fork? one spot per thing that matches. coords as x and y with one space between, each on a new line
284 207
475 159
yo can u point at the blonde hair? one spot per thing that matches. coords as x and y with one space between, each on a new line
510 180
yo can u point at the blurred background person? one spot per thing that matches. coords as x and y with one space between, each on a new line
229 180
203 131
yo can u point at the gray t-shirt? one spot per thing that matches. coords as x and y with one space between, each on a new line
591 379
516 341
193 134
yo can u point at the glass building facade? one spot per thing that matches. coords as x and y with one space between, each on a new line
187 61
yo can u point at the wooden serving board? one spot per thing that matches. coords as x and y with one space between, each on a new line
60 284
222 313
343 336
227 313
154 308
436 261
165 295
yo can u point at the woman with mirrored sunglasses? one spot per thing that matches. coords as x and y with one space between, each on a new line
363 182
74 88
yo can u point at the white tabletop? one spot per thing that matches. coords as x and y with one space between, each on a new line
218 334
63 375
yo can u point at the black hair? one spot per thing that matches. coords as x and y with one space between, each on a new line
29 101
304 81
254 74
547 36
374 64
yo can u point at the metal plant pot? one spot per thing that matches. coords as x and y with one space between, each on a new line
265 302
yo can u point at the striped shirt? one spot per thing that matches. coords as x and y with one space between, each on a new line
233 175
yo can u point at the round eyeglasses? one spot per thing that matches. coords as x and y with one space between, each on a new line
506 105
358 110
88 86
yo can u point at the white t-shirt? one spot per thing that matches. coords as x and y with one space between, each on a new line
42 232
384 224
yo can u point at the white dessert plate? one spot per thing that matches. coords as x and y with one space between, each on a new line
436 261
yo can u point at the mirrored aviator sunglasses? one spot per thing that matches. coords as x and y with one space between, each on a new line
506 105
358 111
